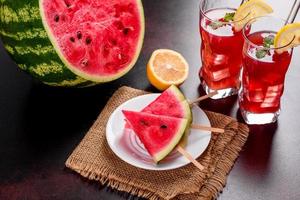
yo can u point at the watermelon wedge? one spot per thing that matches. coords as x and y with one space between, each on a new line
172 103
159 134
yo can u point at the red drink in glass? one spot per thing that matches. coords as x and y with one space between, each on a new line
263 76
221 53
263 79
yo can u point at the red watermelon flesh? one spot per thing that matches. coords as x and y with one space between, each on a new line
169 103
159 134
97 39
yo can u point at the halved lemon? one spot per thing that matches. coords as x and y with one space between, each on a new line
249 10
167 67
288 37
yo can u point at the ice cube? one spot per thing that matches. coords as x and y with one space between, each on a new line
221 74
256 95
273 95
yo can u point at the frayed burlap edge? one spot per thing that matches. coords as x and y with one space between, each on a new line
213 185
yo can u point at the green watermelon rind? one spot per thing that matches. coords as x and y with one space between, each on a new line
187 113
187 109
99 79
175 90
19 21
189 117
179 134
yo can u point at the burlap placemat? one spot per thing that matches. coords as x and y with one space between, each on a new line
94 160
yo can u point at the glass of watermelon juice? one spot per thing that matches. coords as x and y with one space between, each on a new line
221 48
264 71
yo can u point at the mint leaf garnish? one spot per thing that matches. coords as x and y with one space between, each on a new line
215 25
269 41
221 22
229 17
261 53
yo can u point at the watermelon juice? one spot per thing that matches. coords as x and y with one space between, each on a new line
263 76
221 52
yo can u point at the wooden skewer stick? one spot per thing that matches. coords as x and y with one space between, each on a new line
203 97
206 128
189 157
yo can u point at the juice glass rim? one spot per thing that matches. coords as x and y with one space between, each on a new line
224 7
253 20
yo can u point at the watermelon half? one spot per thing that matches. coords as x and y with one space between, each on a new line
73 42
159 134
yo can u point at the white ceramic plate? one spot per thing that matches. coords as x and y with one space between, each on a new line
127 146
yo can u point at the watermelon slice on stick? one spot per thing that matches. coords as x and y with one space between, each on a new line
159 134
174 104
171 103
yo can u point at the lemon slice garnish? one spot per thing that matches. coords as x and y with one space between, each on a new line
250 10
287 38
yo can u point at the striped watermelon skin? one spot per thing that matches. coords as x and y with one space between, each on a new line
26 40
28 43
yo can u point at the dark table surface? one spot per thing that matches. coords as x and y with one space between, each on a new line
40 125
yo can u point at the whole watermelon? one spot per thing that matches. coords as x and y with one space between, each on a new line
73 42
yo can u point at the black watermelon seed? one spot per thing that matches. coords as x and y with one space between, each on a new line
85 62
72 39
56 18
144 123
79 35
126 31
67 4
88 40
163 126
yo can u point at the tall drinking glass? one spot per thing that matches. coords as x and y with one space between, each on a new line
221 48
264 71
